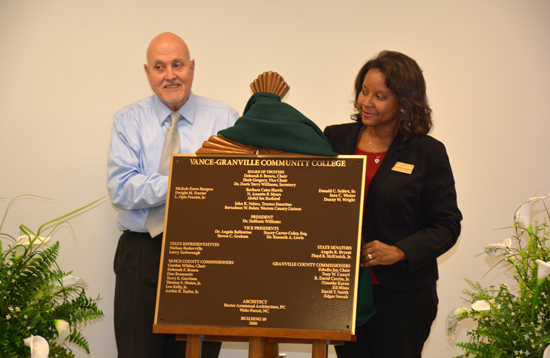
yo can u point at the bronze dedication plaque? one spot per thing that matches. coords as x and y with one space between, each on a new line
262 241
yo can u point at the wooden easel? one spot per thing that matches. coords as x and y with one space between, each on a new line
263 342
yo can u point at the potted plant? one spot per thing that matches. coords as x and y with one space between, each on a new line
42 307
512 320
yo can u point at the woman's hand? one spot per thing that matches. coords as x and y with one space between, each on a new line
376 253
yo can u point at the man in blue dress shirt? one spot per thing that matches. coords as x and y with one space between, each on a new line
135 186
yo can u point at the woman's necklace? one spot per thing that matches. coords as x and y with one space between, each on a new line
377 160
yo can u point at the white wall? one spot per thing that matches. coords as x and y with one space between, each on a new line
67 66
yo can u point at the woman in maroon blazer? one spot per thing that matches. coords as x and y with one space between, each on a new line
410 212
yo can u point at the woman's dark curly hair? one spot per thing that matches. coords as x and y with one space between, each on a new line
405 80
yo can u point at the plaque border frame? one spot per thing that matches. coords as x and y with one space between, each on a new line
265 332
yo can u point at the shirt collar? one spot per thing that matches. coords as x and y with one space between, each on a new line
187 110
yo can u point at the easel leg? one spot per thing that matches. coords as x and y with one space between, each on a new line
319 349
271 350
256 347
193 346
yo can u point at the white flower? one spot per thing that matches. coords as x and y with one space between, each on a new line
546 353
523 213
543 271
39 346
63 329
481 306
24 240
71 280
451 324
490 250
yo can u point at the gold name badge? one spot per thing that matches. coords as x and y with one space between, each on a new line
403 168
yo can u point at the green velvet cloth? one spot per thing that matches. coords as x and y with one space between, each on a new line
269 123
365 304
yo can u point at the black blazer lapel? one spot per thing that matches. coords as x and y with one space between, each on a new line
391 157
351 140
